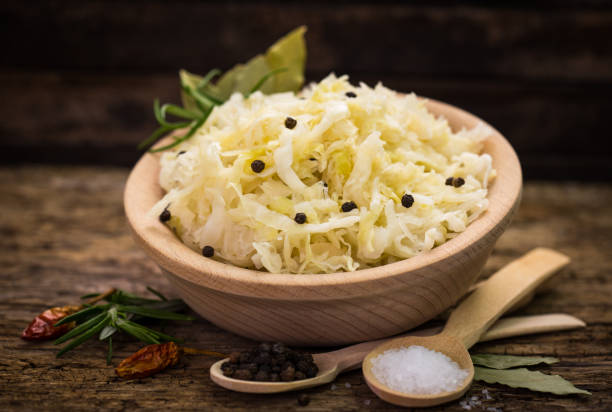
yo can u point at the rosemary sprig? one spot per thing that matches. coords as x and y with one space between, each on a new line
205 102
121 313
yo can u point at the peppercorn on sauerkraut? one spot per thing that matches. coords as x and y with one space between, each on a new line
370 147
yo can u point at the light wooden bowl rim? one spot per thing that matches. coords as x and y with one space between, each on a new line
142 190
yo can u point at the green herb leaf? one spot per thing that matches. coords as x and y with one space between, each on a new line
82 315
114 316
157 293
160 116
85 336
172 305
200 96
264 79
90 295
150 332
288 52
153 313
107 332
109 355
126 298
194 82
81 328
509 361
186 136
532 380
134 330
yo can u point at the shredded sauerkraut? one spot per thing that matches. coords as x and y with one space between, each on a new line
371 149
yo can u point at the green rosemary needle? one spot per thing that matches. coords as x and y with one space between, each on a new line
205 103
121 313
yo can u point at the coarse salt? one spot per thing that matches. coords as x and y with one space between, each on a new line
418 370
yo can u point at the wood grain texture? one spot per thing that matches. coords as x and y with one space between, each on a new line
538 42
351 357
64 235
337 308
500 292
87 71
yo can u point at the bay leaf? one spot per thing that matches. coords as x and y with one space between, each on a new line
509 361
532 380
289 52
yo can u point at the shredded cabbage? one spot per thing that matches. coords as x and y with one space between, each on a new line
371 149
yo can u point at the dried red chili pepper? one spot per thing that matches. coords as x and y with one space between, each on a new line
154 358
148 360
42 327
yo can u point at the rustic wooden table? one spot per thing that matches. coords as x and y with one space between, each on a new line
63 234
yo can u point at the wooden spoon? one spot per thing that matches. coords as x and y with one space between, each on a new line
333 363
468 322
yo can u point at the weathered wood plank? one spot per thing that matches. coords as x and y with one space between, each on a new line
63 234
539 42
76 117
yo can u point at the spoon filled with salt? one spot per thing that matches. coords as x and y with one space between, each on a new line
420 371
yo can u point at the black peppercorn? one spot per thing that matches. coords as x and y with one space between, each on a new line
348 206
243 374
303 399
251 367
234 357
270 363
407 200
264 347
458 182
262 376
307 357
350 94
208 251
312 371
290 122
257 166
181 152
449 181
165 215
287 375
300 218
245 357
228 371
278 348
262 358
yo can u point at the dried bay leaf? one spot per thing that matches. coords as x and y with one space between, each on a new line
288 52
509 361
532 380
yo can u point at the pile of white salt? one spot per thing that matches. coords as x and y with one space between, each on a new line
416 369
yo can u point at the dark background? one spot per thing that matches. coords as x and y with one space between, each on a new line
78 78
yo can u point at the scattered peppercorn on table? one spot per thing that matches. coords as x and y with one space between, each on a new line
64 235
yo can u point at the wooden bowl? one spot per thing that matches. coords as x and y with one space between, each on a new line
337 308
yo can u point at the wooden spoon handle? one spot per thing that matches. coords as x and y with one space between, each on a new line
527 325
500 292
351 357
